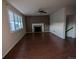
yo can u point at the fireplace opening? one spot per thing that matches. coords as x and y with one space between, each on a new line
37 29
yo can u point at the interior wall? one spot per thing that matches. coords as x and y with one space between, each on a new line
9 39
71 22
58 22
70 10
37 19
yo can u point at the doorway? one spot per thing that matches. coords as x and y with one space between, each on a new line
70 26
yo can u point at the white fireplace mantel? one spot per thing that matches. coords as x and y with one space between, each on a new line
38 24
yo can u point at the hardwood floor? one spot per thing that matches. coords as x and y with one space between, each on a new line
43 46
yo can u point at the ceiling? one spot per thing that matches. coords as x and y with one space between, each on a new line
31 7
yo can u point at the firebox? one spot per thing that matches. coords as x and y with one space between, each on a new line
37 29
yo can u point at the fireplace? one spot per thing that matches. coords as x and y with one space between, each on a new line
37 27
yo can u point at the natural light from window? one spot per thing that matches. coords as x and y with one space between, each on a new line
15 21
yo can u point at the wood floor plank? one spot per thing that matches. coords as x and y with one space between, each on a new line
43 46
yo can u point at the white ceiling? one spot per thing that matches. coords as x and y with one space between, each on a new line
30 7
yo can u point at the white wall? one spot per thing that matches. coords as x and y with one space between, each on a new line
9 39
57 23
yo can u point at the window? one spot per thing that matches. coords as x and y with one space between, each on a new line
11 21
15 21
